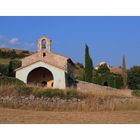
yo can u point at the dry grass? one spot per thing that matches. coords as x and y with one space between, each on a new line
43 117
4 60
7 90
95 101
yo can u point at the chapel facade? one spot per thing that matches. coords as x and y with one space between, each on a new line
46 68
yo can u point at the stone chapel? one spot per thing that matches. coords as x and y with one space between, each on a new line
46 68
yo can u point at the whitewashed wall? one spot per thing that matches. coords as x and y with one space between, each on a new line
58 74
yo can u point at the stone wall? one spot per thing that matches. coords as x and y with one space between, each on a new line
96 103
37 103
97 89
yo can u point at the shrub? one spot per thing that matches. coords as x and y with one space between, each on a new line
72 94
49 93
14 64
63 94
4 69
24 90
10 81
134 77
136 93
108 79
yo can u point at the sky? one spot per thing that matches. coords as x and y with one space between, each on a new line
108 38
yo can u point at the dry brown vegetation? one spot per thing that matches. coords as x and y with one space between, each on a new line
40 117
95 101
96 107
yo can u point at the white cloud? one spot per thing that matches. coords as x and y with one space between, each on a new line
14 41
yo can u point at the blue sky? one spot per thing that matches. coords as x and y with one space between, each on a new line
107 37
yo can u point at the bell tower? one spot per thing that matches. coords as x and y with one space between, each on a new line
44 45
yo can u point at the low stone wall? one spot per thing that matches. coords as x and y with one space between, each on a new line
32 102
95 103
97 89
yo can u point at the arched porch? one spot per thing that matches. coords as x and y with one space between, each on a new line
41 77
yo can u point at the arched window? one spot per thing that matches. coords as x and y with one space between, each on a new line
43 44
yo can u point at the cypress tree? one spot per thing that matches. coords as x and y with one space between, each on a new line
124 73
88 66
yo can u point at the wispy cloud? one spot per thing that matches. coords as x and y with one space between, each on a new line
14 41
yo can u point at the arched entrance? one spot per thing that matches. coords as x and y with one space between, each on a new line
40 77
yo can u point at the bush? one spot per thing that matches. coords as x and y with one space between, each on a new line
106 78
73 94
13 54
10 81
14 64
24 90
134 77
136 93
49 93
4 69
64 94
39 92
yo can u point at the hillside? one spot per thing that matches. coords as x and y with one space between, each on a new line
8 54
10 49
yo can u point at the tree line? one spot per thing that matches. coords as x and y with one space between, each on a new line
12 54
128 79
103 76
9 69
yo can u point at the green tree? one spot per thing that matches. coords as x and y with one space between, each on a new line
13 54
124 73
13 64
103 69
134 77
4 69
88 75
104 77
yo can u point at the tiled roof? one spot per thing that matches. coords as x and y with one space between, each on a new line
53 59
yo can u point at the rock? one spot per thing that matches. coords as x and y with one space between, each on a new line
57 98
31 97
7 98
74 100
26 98
62 101
54 99
69 100
78 100
48 99
22 97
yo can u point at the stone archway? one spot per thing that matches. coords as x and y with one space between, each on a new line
40 77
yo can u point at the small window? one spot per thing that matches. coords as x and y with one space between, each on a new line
43 44
44 54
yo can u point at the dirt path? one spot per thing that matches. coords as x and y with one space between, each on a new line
28 116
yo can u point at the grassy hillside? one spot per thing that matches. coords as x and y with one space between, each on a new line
4 60
17 50
6 57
